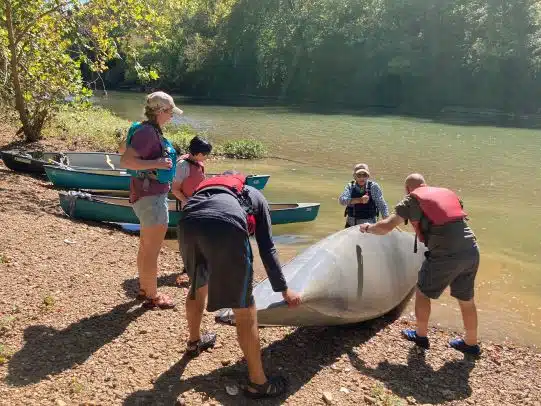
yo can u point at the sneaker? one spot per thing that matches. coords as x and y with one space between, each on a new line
460 345
411 335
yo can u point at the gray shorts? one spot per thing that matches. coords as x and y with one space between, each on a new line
457 271
217 254
152 210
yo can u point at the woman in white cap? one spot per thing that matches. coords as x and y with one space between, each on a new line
151 160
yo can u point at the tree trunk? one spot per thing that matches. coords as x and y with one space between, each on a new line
30 133
291 72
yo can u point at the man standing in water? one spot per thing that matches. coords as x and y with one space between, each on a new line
215 247
452 258
363 198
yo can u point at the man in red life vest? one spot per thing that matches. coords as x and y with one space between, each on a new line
215 247
452 258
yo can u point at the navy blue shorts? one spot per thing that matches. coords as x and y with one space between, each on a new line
218 254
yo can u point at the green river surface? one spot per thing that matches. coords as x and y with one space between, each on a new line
495 170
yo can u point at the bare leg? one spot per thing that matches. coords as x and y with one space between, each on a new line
194 312
469 316
248 337
422 313
150 243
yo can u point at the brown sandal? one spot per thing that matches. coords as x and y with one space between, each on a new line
161 301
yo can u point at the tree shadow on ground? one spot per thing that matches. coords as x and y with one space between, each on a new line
420 380
313 347
48 351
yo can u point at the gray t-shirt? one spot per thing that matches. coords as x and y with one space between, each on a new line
225 207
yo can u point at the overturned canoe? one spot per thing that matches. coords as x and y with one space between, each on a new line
85 206
345 278
34 161
29 162
110 179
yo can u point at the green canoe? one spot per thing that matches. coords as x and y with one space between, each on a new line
85 206
111 179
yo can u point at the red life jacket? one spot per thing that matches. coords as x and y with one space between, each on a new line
439 205
233 184
195 176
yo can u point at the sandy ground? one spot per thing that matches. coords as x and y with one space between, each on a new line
72 334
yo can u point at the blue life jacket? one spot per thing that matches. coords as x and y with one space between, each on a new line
168 151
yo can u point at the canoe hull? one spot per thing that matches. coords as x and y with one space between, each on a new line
86 179
348 277
35 161
118 210
20 161
91 178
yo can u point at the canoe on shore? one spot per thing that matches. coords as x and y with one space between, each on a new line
34 161
85 206
111 179
348 277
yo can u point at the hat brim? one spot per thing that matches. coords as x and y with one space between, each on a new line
177 111
362 172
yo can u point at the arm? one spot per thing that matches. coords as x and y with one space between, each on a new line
380 202
182 172
268 254
383 226
176 189
345 198
267 250
130 159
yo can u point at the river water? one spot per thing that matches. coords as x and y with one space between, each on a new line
495 170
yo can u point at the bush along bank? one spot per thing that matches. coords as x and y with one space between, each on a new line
99 129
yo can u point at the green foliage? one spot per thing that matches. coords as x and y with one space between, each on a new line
414 54
48 302
96 127
243 149
5 354
180 137
45 43
383 398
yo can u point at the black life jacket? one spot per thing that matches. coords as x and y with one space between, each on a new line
360 210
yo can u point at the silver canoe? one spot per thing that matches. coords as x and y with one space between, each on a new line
345 278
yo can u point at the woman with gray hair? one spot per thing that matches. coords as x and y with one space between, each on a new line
151 160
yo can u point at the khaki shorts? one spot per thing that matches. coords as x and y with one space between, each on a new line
456 270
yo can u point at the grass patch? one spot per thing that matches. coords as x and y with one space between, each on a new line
6 323
49 302
5 354
383 398
95 127
76 386
3 259
243 149
98 129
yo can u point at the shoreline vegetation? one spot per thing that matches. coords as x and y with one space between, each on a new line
98 129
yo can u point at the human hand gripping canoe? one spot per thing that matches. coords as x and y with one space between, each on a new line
292 298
